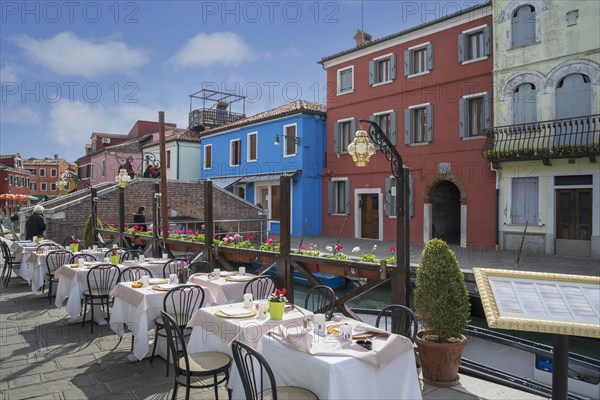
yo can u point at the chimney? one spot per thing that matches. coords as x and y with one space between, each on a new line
55 156
88 149
362 38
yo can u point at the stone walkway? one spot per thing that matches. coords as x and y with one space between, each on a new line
43 357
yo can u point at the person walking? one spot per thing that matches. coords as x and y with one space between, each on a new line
129 167
139 218
35 225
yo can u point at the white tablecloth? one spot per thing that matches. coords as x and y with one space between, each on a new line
137 308
225 291
331 377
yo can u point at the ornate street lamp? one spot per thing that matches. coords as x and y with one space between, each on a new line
122 180
361 149
68 176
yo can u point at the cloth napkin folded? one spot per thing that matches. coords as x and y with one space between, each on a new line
234 311
385 349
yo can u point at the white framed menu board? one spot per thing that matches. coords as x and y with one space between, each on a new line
540 302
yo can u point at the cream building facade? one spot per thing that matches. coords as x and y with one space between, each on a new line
545 145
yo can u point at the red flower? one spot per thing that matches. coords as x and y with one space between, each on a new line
392 249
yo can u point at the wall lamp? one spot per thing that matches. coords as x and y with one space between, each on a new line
295 139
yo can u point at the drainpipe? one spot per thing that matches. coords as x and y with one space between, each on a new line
177 174
497 173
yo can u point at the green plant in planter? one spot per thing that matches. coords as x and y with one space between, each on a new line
87 231
441 296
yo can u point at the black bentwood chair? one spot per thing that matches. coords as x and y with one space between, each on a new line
101 279
131 255
258 379
260 287
398 319
320 299
55 260
132 274
187 365
82 256
201 267
9 262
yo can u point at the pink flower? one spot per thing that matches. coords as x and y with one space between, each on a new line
179 231
202 227
188 232
150 228
392 249
196 234
228 239
105 224
249 237
169 230
215 235
236 236
136 227
269 241
339 247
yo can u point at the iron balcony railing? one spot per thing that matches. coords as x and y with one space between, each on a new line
562 138
209 118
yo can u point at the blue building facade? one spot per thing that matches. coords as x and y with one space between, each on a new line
248 156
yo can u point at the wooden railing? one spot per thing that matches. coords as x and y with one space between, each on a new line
563 138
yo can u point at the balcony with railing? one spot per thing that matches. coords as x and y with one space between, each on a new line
216 109
546 140
209 118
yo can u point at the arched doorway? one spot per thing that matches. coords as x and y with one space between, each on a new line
445 213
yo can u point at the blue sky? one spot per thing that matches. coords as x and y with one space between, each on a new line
72 68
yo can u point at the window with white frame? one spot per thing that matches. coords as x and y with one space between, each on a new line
53 172
235 153
252 147
240 191
289 140
345 80
382 69
525 201
418 124
387 121
53 187
338 201
208 156
43 186
523 26
474 115
343 134
418 59
32 185
42 171
474 44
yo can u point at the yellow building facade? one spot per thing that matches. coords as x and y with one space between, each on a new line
545 144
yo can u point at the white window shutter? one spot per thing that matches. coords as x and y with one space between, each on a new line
393 127
407 71
393 67
462 48
408 126
372 72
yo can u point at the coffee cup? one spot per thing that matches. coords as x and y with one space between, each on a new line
173 278
141 258
367 344
263 310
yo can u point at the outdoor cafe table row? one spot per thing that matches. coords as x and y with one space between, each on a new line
320 364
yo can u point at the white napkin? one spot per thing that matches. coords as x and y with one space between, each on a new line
234 311
168 285
156 281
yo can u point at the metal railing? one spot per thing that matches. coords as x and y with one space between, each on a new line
562 138
209 117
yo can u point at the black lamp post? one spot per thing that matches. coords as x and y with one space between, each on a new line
122 180
361 149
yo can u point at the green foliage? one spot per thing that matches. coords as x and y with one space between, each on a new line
87 231
441 296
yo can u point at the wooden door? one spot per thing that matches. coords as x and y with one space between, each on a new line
573 221
369 216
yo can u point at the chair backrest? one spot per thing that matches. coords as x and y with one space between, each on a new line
131 255
6 255
175 342
103 276
254 370
172 266
182 302
260 287
48 246
119 250
201 267
134 273
398 319
56 259
320 299
82 256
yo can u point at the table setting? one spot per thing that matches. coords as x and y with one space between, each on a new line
219 283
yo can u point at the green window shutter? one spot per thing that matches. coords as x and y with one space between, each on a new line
408 126
406 62
387 197
462 47
330 197
429 56
411 194
372 79
393 123
487 117
486 41
352 131
393 67
429 135
347 188
462 117
336 137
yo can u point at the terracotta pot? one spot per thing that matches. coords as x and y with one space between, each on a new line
440 361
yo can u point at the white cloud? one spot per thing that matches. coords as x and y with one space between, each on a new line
10 73
19 115
205 50
67 54
72 123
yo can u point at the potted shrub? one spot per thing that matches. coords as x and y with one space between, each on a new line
442 306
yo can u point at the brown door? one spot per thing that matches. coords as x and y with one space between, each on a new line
369 216
573 221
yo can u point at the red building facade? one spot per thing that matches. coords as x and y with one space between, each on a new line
430 89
